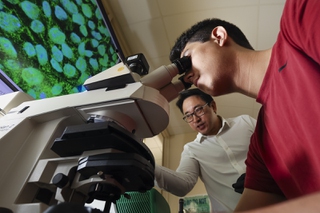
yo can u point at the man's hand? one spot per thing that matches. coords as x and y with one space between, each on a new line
239 185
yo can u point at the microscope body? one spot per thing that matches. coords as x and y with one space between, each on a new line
85 146
28 165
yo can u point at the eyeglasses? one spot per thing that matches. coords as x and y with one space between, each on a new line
199 111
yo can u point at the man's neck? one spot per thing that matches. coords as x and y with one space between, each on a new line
217 126
251 72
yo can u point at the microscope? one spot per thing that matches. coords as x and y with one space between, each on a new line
57 154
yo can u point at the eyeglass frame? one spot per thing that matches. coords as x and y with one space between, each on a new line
190 115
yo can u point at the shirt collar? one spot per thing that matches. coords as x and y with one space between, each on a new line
225 125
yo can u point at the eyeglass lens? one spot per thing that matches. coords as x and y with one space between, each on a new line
199 111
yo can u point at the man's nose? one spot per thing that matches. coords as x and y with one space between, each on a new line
196 118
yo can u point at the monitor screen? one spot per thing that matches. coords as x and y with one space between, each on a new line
50 47
6 84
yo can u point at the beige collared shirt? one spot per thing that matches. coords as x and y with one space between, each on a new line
218 160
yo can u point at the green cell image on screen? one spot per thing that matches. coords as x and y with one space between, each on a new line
49 48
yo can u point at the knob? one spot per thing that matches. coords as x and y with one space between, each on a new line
60 180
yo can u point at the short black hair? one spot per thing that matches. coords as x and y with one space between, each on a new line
192 92
201 31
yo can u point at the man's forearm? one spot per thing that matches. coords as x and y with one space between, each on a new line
177 183
308 203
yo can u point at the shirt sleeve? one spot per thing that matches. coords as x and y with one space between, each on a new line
251 122
181 181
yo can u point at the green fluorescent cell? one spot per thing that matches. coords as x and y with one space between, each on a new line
82 48
98 14
69 70
94 43
73 90
30 9
101 50
56 89
29 49
111 50
60 13
55 64
81 64
41 54
32 76
56 53
75 38
7 48
46 8
96 35
66 50
104 31
83 77
104 61
91 25
37 26
94 63
69 6
78 19
114 58
86 10
32 93
84 30
57 36
42 95
79 2
9 23
88 53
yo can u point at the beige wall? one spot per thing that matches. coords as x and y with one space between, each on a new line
172 148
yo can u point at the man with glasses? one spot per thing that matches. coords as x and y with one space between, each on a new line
217 154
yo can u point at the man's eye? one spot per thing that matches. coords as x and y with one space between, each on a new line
198 109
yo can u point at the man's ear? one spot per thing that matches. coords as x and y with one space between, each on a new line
214 106
219 34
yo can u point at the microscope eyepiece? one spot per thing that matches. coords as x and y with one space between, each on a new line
183 64
161 78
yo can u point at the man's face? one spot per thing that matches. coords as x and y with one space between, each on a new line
208 123
210 70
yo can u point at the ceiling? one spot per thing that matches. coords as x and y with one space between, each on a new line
152 26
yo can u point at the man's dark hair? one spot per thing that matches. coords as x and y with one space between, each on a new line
201 32
192 92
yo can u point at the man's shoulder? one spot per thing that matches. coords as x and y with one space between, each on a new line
239 118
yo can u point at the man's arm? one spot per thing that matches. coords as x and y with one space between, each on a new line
252 199
181 181
177 183
307 203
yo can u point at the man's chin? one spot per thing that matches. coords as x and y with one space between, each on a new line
203 131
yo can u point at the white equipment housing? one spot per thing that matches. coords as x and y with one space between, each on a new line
29 127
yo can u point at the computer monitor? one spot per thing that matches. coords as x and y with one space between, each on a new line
49 48
6 84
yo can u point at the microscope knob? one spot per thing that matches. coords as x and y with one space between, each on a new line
60 180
